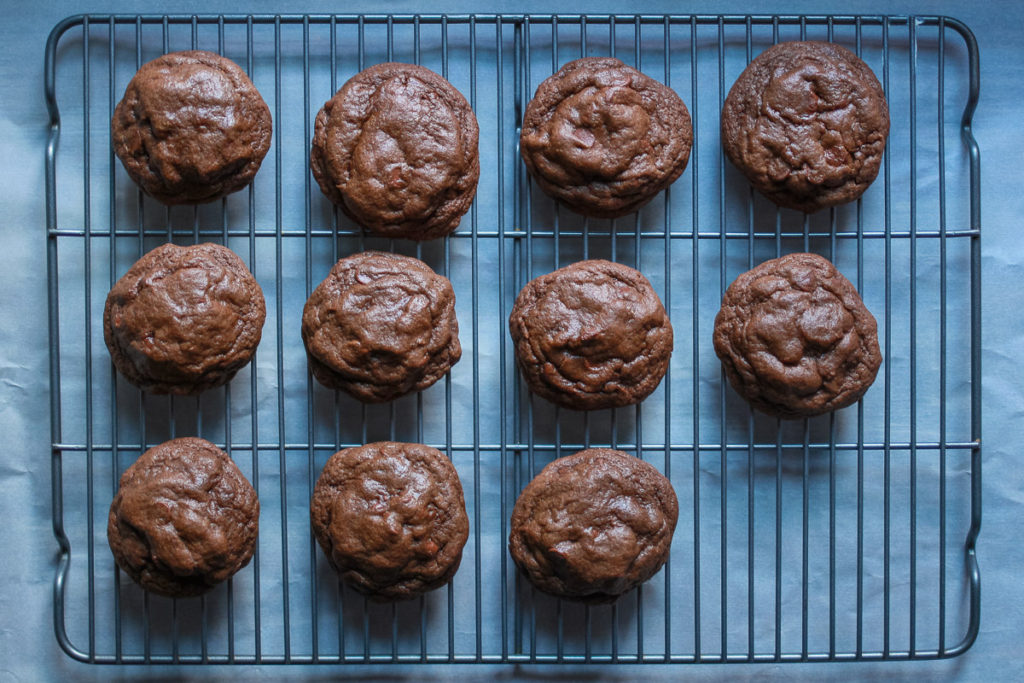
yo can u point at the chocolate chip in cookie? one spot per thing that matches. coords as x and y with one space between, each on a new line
806 123
603 138
191 128
184 518
795 338
591 335
396 150
391 518
593 525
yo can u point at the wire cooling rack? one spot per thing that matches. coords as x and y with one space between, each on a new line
844 537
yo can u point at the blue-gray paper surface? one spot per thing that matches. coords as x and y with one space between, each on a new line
28 649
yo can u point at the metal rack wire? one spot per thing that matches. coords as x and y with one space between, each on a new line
845 537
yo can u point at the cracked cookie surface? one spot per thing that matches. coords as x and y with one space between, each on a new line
396 149
591 335
593 525
806 123
391 518
380 326
184 319
191 128
184 518
603 138
795 338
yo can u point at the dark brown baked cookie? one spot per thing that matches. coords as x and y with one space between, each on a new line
806 123
795 338
381 326
391 518
184 319
603 138
396 150
191 128
591 335
593 525
184 519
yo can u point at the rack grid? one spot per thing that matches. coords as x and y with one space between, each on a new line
844 537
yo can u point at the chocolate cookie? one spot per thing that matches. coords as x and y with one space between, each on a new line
593 525
603 138
391 518
396 150
795 339
191 128
381 326
184 319
806 123
591 335
184 518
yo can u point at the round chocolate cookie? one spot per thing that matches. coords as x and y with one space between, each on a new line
806 123
396 150
191 128
593 525
381 326
184 319
391 518
591 335
603 138
184 519
795 339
